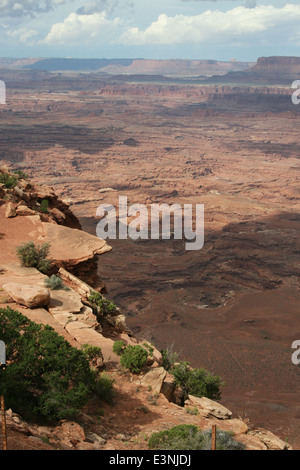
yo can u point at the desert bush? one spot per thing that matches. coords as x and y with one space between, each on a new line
91 352
45 376
35 256
224 441
197 382
106 306
134 358
119 347
170 357
54 282
21 175
44 206
8 180
192 411
189 437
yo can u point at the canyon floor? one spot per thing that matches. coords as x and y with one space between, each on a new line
232 307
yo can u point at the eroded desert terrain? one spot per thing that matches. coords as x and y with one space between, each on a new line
232 307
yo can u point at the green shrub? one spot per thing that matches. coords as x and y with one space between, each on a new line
149 348
134 358
91 352
44 206
8 180
45 376
189 437
197 382
107 307
35 256
21 175
119 347
54 282
169 439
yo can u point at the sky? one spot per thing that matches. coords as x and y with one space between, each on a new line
152 29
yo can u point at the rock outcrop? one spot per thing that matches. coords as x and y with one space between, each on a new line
28 295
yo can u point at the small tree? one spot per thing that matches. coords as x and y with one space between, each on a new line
35 256
45 376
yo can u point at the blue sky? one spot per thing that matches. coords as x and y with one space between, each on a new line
157 29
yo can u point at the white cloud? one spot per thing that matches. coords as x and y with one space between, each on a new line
22 35
76 29
214 26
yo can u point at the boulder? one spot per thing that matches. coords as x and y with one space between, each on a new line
168 388
24 210
251 442
58 215
209 408
270 440
69 434
10 210
29 295
154 379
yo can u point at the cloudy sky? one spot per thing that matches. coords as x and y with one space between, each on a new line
158 29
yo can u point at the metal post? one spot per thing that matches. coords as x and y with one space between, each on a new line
214 437
4 433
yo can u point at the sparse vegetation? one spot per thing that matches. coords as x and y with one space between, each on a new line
133 358
11 180
189 437
119 347
44 206
8 180
192 411
197 382
45 378
54 283
21 175
170 357
35 256
106 306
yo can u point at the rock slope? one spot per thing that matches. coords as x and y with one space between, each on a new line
145 403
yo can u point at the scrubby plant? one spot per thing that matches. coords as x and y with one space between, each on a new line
132 357
54 282
21 175
106 307
192 411
224 441
170 357
197 382
189 437
119 347
8 180
44 206
92 352
45 378
149 348
177 438
35 256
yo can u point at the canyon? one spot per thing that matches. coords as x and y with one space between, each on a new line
229 142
